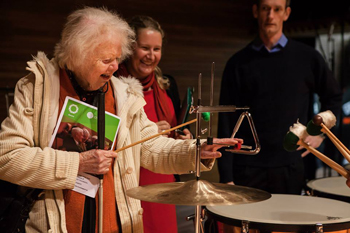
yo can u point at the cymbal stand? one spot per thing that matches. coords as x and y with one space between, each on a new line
101 144
199 215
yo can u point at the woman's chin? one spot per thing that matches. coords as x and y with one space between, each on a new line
147 72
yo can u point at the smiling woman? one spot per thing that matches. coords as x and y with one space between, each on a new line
160 108
147 53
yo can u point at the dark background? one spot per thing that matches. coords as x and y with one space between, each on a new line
198 32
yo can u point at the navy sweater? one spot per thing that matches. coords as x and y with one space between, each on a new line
278 88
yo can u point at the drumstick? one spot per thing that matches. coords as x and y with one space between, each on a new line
321 123
342 171
295 137
340 146
156 135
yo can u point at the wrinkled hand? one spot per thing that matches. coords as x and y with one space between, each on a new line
313 141
187 135
95 161
163 125
210 151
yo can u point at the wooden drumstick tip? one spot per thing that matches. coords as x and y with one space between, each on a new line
317 120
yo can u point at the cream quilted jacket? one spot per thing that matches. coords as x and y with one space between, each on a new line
26 159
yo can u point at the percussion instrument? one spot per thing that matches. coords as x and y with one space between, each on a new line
321 123
286 213
330 187
200 192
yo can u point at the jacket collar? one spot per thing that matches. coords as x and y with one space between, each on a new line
46 96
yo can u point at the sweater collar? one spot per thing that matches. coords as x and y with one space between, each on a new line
258 45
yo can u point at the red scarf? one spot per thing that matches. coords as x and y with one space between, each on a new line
160 95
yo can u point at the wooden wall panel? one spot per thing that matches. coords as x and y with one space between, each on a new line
198 33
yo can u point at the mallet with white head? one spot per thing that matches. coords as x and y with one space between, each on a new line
295 138
322 123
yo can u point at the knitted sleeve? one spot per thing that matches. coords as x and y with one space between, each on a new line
21 160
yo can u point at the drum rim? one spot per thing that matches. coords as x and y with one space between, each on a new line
277 226
332 195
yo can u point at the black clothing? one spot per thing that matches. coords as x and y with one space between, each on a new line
278 87
285 179
173 93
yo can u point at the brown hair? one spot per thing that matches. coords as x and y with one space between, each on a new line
146 22
257 2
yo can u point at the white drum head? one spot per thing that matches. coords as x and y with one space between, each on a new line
331 185
289 210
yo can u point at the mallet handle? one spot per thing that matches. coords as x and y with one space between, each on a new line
340 146
342 171
156 135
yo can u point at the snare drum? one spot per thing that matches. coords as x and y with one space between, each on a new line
330 187
286 213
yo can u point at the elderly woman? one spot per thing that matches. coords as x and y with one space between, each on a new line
93 43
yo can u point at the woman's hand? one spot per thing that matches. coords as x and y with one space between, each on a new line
186 134
95 161
210 151
162 126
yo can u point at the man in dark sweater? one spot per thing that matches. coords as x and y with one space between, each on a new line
276 77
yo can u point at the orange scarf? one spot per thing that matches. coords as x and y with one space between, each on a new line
74 202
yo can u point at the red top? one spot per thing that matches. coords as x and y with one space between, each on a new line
157 217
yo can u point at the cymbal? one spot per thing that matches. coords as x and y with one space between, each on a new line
199 192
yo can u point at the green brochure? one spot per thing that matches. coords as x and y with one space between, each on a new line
80 119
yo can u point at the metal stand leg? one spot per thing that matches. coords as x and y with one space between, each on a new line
100 207
319 228
245 226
